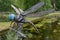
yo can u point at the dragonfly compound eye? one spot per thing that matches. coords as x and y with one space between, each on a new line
11 16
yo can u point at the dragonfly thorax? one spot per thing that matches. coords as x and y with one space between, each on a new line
19 18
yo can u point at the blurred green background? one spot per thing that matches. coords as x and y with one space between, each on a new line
25 4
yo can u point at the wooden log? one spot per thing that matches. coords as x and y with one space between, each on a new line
37 21
34 21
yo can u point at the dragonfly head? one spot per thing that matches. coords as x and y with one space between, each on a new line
11 16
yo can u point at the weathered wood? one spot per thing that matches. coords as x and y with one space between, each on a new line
39 21
34 21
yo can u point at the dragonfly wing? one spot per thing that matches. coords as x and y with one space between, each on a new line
16 10
39 14
21 11
33 8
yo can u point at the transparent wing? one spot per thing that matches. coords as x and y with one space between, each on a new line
33 8
38 14
16 10
21 11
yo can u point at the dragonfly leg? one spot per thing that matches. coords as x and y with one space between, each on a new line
20 28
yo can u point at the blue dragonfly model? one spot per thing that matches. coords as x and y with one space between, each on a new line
19 18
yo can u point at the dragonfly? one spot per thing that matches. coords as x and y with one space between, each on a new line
20 18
